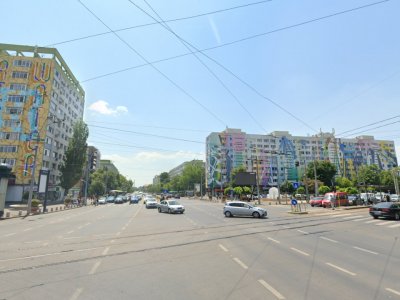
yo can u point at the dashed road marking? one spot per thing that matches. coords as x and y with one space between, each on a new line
341 269
76 294
240 263
394 226
27 229
223 248
372 221
393 291
341 215
384 223
118 233
299 251
328 239
271 289
352 217
105 251
273 240
94 268
10 234
69 232
366 250
302 231
362 219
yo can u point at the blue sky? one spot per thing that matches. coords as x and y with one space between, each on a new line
338 73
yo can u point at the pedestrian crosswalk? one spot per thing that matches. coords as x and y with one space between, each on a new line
363 219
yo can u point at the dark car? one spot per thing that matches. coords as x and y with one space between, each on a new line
385 210
110 199
134 200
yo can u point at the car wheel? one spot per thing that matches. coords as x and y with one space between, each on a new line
375 217
397 216
159 209
256 214
169 210
228 214
312 205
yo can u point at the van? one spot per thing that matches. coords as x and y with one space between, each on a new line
337 198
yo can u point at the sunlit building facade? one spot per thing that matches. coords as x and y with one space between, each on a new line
279 156
40 102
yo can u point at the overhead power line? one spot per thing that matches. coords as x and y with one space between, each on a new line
167 21
185 44
147 134
235 41
155 68
368 125
370 129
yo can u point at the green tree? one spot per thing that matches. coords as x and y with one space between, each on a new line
75 156
351 190
301 190
326 171
287 187
97 188
164 178
343 182
368 175
238 190
246 190
322 190
228 190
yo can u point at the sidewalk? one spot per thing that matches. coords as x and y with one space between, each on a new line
21 211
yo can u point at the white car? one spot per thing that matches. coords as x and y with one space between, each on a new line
102 200
171 207
394 197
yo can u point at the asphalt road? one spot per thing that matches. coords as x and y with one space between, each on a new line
130 252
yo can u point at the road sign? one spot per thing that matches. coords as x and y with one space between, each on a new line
294 202
295 185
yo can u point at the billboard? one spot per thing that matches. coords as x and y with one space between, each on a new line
245 178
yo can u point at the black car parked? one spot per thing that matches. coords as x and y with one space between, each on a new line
385 210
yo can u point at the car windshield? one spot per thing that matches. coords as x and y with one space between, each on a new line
173 203
383 205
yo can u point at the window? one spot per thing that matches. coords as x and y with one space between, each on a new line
46 152
8 149
9 161
18 87
16 98
48 140
22 63
14 110
11 123
9 135
19 74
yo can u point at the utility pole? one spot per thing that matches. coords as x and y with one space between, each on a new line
395 181
87 177
28 211
315 180
305 181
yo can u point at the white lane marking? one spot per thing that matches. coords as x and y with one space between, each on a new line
27 229
123 228
352 217
105 251
45 244
299 251
87 224
76 294
341 269
394 226
112 241
69 232
365 250
271 289
384 223
240 263
80 227
303 232
372 221
393 291
362 219
10 234
72 237
118 233
223 248
48 254
328 239
272 240
341 215
94 268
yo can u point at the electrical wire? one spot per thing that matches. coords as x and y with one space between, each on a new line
371 129
147 134
167 21
163 24
368 125
155 68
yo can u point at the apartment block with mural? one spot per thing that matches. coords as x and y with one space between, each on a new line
280 156
40 101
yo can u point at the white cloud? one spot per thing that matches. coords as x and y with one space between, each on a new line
102 107
143 166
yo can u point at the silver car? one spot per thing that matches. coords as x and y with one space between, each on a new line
171 207
240 209
151 203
